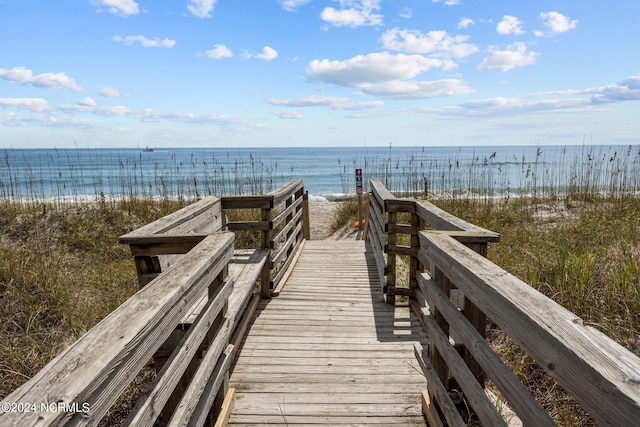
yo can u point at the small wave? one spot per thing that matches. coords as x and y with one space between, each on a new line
313 198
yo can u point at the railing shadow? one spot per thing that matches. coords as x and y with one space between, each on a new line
393 323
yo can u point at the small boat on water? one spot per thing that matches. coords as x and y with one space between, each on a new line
148 149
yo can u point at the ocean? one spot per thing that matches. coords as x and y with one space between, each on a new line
327 172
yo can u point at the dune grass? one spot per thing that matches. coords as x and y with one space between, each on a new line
62 270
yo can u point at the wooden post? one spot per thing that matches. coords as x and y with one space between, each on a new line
265 276
306 226
147 267
359 193
426 188
415 266
391 262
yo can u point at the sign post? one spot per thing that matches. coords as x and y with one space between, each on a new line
359 193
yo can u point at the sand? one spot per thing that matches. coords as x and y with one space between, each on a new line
321 216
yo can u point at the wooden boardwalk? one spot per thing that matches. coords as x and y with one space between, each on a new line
328 350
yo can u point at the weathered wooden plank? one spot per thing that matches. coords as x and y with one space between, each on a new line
400 205
247 202
358 362
288 211
430 411
99 366
227 406
327 420
437 390
289 243
162 244
196 402
150 405
511 388
481 405
379 191
282 234
443 220
276 406
276 387
286 191
244 271
331 369
294 348
602 375
328 398
249 225
204 216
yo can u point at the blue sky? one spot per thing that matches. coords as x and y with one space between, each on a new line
261 73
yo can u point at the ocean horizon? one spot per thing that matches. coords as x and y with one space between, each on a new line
327 172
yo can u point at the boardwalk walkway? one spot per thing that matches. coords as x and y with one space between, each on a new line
328 350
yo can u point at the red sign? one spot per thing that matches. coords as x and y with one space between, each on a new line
358 181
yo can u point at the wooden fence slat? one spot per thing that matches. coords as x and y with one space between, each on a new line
99 366
520 400
603 376
204 216
437 390
150 405
196 402
485 410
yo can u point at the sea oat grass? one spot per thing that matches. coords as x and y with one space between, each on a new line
584 254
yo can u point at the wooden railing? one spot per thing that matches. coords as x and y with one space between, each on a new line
453 288
79 386
196 298
282 228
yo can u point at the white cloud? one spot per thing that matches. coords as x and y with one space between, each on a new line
436 42
22 75
501 106
201 8
465 23
109 92
119 7
334 102
573 100
288 114
448 2
626 90
144 41
406 13
292 5
219 51
37 105
268 54
417 89
557 22
507 59
371 68
363 105
387 75
353 13
87 102
109 111
308 101
510 25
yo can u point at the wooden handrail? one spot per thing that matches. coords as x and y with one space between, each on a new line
93 372
282 243
461 288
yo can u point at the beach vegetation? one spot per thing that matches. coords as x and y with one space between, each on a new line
575 240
